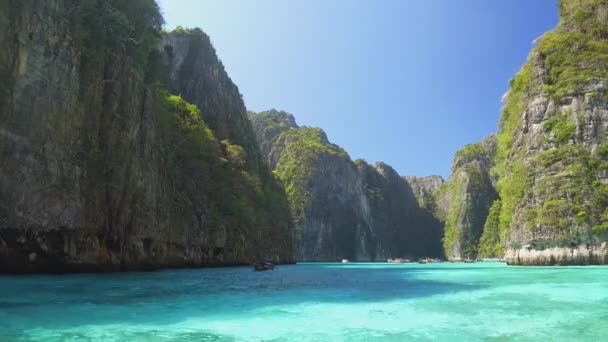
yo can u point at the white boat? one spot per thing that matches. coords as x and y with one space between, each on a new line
344 261
492 259
398 261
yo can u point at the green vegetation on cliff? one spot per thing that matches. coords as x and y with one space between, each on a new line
552 181
268 125
131 28
489 244
468 195
343 208
425 190
304 149
454 188
191 69
322 186
551 163
247 207
139 177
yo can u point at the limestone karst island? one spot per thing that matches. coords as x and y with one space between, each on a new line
457 189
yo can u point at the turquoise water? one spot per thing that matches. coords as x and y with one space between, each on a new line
312 302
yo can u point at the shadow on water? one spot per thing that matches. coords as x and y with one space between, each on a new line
173 296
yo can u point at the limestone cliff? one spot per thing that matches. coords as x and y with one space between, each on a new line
424 189
102 168
552 159
403 226
267 126
341 208
464 200
195 73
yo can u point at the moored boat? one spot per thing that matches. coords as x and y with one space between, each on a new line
428 260
398 261
264 265
344 261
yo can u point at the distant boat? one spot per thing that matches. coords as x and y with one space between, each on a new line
398 261
428 260
344 261
264 265
470 261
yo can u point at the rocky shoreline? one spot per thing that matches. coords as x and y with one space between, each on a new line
581 255
64 251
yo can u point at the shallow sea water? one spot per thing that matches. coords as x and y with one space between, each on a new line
486 301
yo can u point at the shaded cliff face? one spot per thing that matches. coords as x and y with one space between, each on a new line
341 208
552 150
325 193
194 72
102 168
464 200
403 227
424 189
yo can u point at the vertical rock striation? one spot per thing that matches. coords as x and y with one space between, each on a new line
404 227
424 189
465 199
552 144
102 168
341 208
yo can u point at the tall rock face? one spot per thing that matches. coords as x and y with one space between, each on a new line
552 146
424 189
195 73
267 126
399 221
103 168
341 208
464 200
326 197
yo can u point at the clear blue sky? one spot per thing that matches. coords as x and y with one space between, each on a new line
402 81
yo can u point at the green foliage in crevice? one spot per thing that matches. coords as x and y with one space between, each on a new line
129 28
146 164
576 52
561 127
569 240
470 152
197 71
470 195
268 125
426 198
211 177
303 149
574 199
489 244
564 61
512 188
273 120
452 233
